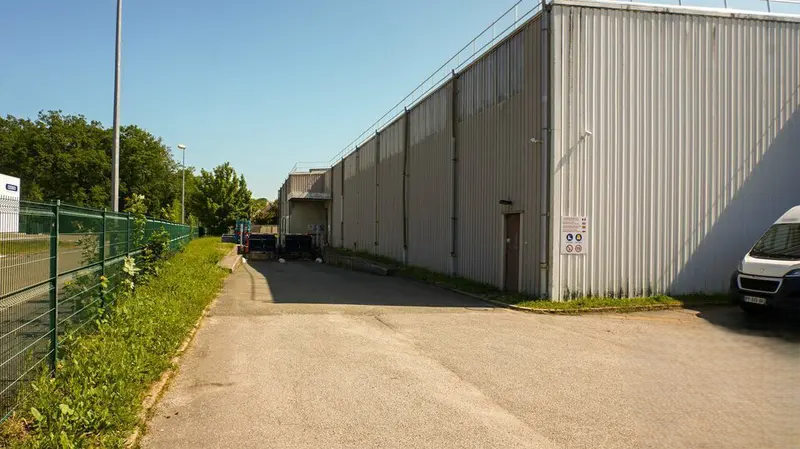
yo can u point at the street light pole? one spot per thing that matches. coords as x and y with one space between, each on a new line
115 152
183 184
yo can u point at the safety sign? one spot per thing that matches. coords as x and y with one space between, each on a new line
574 238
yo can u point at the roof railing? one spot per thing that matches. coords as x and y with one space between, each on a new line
505 24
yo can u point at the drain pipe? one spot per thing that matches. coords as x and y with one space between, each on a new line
454 176
341 208
405 185
544 188
377 188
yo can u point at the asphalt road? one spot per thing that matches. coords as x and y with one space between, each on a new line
301 355
23 270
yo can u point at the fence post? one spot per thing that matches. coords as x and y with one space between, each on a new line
103 260
54 288
128 236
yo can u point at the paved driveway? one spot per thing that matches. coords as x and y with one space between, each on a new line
302 355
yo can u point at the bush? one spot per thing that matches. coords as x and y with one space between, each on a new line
96 394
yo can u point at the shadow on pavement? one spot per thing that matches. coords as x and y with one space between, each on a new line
306 282
784 325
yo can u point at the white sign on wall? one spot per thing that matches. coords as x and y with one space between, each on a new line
9 203
574 235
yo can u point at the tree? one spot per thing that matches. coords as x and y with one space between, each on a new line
147 168
221 198
264 211
58 157
67 157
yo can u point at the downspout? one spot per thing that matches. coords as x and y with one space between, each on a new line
544 188
454 175
341 208
358 198
377 184
405 186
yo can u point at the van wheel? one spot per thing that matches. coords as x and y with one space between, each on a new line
753 309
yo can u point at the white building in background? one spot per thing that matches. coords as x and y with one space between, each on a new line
601 148
9 203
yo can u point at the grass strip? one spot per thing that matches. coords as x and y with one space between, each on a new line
101 379
576 305
590 304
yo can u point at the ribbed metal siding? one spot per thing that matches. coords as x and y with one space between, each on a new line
390 191
430 183
496 159
366 196
351 217
336 205
693 151
308 183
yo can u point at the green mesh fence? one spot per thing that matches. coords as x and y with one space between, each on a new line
52 259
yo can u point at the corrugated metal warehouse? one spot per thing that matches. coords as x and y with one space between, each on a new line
667 137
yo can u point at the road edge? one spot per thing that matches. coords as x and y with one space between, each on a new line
159 387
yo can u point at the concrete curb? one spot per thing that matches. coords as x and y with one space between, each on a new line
231 261
158 388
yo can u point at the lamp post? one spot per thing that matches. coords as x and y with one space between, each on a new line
182 147
115 150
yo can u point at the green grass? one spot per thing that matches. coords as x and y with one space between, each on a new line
95 397
622 304
576 305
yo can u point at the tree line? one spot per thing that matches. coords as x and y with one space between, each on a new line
68 157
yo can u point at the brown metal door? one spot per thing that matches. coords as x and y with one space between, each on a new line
512 248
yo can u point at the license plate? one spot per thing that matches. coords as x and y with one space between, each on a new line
755 300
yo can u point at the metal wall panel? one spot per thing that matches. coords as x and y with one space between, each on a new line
336 205
496 159
494 78
390 191
350 203
366 196
429 183
431 116
676 133
301 183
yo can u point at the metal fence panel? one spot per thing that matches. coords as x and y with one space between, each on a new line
52 261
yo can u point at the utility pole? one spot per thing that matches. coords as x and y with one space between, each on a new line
183 183
115 153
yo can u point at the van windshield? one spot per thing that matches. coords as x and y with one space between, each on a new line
781 241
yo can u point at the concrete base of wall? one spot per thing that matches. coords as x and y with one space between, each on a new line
357 264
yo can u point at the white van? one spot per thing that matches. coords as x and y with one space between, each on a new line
769 274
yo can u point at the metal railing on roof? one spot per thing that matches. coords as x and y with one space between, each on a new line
507 23
501 27
305 167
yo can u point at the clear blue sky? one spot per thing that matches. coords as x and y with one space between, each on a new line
262 84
